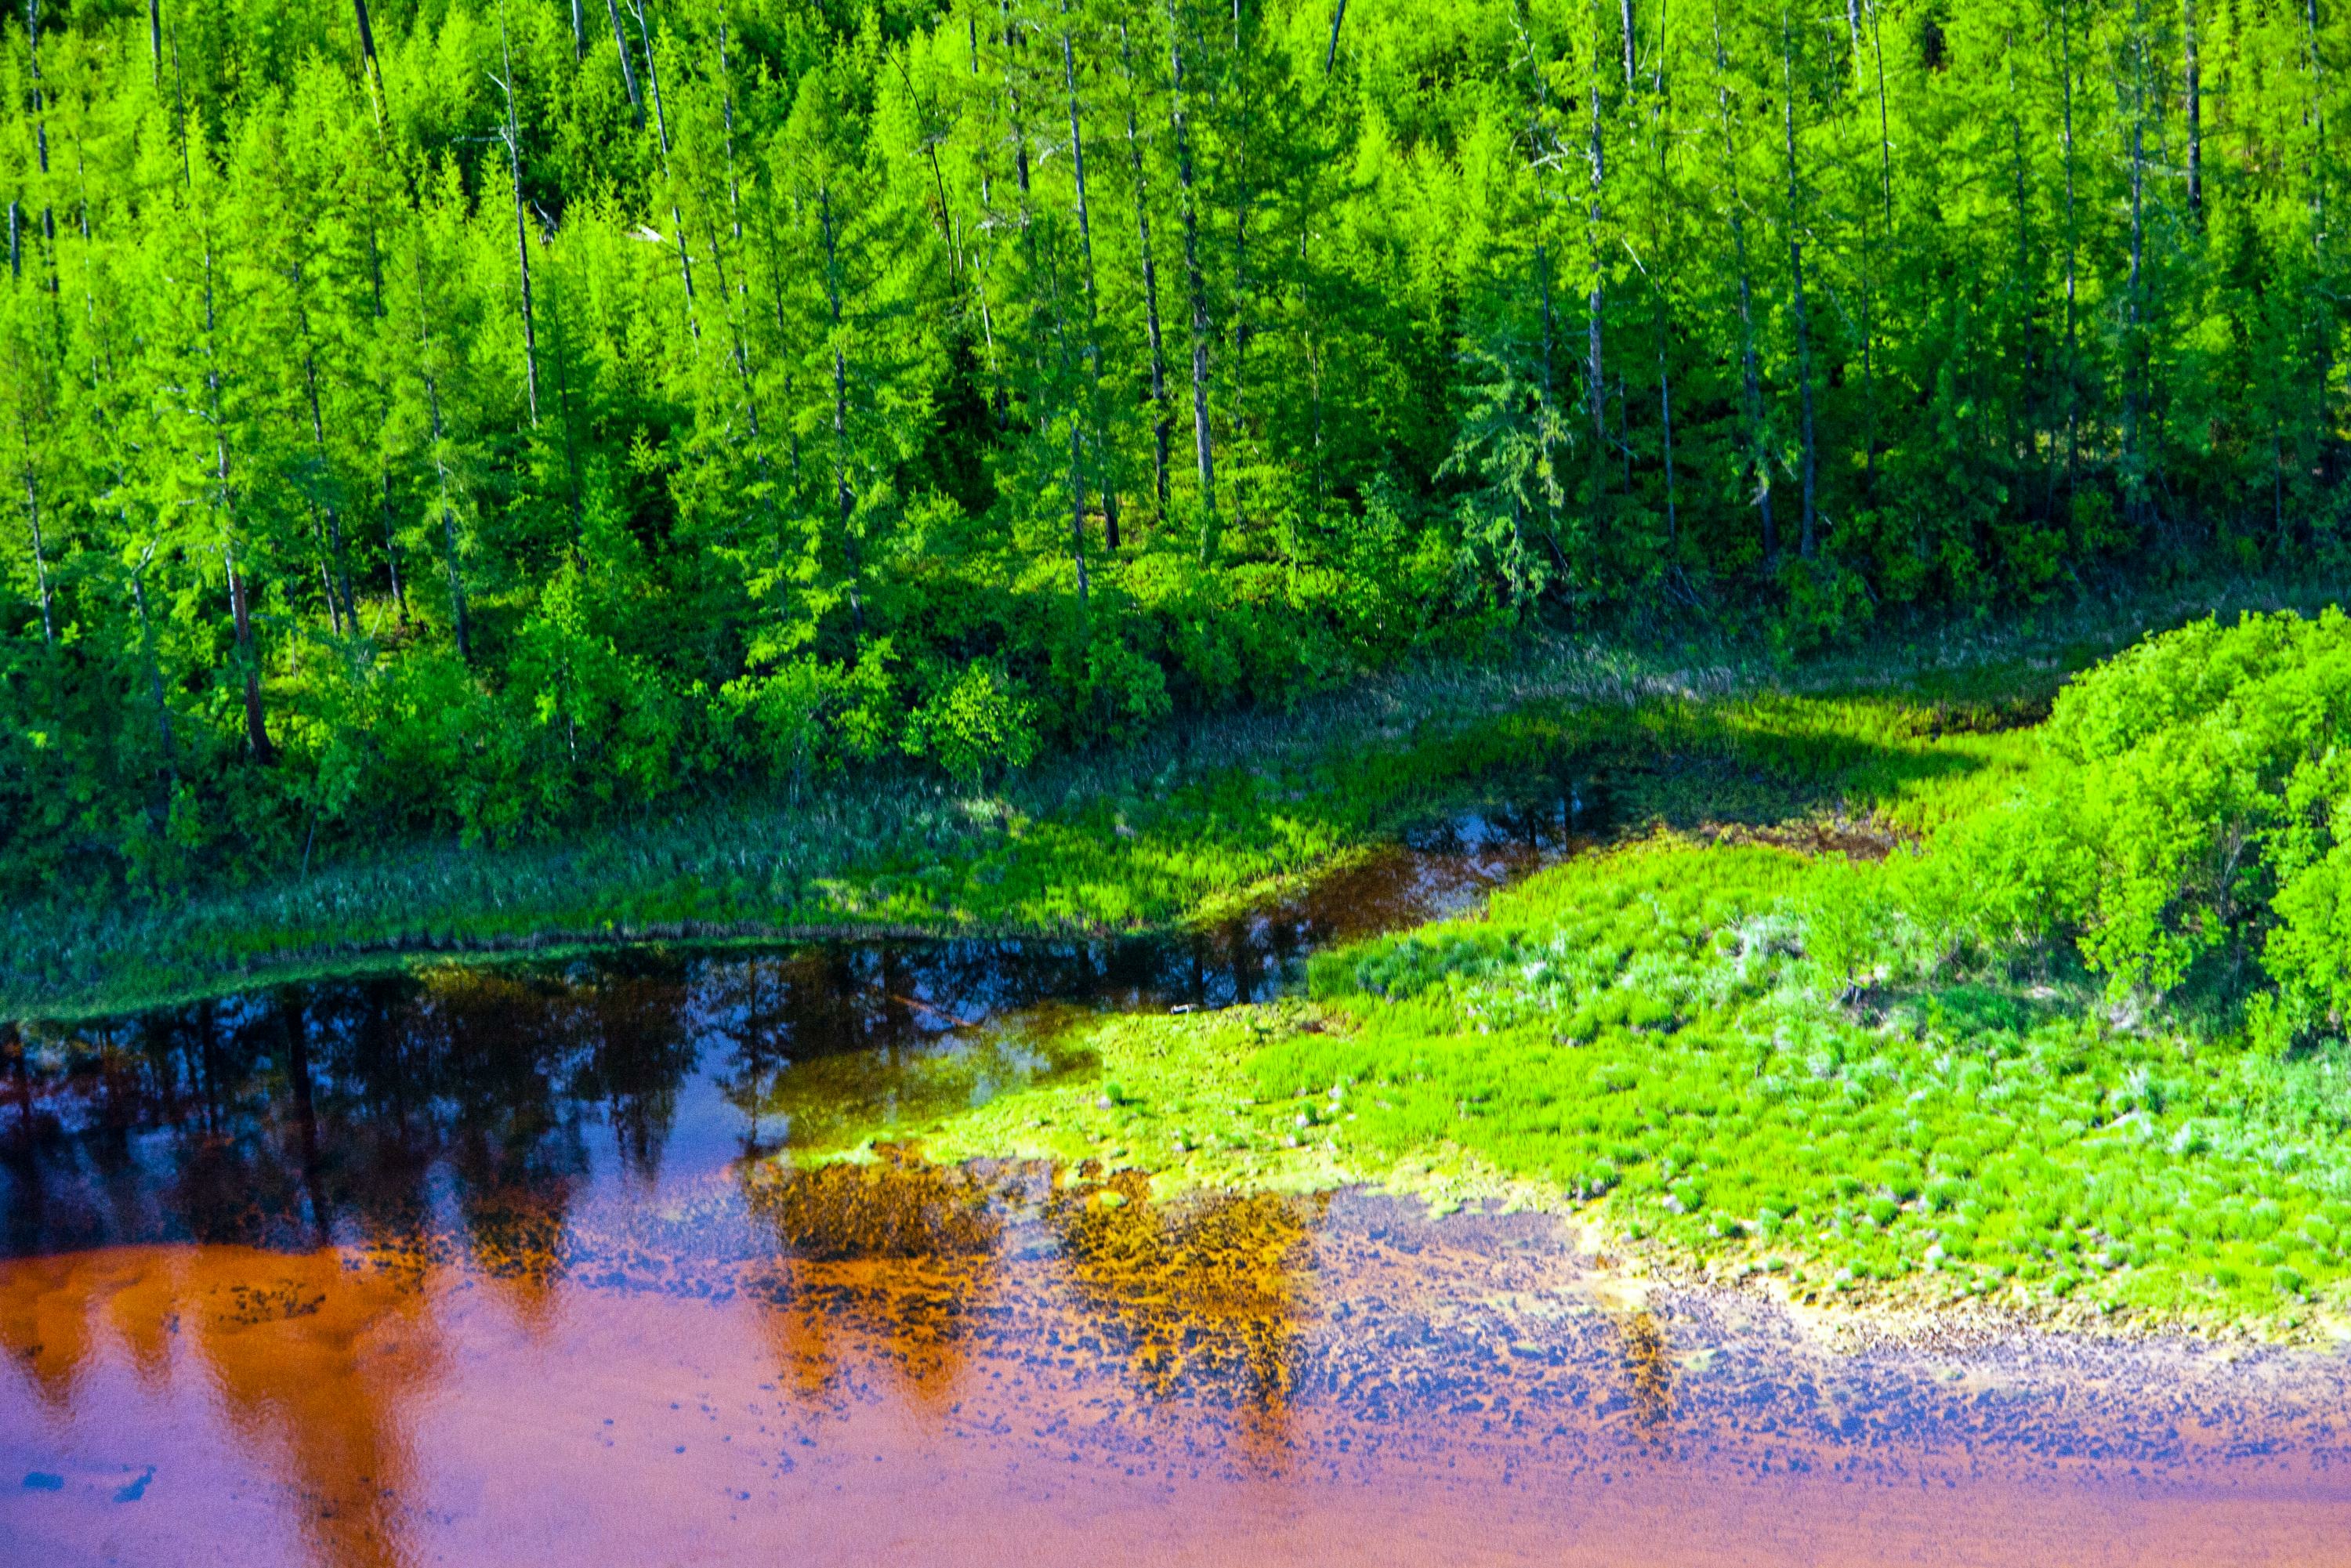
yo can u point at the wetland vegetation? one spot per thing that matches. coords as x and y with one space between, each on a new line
1281 726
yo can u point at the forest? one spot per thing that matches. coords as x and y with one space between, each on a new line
482 420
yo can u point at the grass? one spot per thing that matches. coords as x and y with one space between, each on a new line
1702 1045
1656 1032
1203 820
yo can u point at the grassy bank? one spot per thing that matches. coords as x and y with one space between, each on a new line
1747 1056
1199 821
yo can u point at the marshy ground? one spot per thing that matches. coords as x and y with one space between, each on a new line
1545 1167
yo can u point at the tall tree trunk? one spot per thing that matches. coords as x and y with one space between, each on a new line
1097 433
371 68
661 127
1331 50
2073 248
340 583
1796 286
570 430
1238 159
628 71
1203 443
2321 296
1161 425
256 733
391 554
2134 466
2028 291
41 134
459 629
1759 452
513 139
1659 143
727 130
457 625
2194 84
844 497
40 555
1596 302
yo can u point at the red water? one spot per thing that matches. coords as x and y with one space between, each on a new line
969 1379
490 1268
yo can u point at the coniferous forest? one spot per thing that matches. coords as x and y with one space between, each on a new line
448 416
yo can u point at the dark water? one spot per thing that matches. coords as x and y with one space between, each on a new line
330 1114
482 1266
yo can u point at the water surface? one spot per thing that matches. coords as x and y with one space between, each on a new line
491 1265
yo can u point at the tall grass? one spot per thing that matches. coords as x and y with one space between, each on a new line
1203 816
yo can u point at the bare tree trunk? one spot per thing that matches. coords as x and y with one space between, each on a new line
341 580
579 32
41 134
1796 286
256 733
40 555
1236 158
727 127
449 527
1161 425
391 554
458 628
2029 292
1759 453
2195 88
155 37
2322 293
513 139
1202 442
1595 303
843 497
627 71
1099 434
2133 384
1657 140
370 67
661 126
2073 246
1331 50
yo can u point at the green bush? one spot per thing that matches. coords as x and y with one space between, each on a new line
2185 816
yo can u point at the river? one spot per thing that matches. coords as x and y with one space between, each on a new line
495 1265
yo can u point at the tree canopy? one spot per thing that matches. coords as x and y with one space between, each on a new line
487 416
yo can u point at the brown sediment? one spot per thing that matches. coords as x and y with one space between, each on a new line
990 1366
1861 840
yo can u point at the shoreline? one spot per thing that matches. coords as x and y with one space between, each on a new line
1187 825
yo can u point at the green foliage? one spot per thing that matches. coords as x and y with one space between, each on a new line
1662 1028
516 432
2184 818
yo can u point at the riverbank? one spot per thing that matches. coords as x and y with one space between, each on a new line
1197 824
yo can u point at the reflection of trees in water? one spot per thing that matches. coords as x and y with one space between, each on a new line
898 1258
282 1119
339 1109
1649 1371
1205 1293
316 1367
